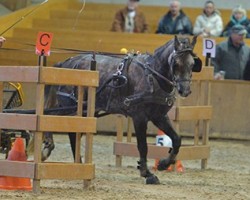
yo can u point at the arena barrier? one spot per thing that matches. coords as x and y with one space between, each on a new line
39 123
200 114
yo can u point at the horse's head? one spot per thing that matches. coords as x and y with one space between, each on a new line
182 62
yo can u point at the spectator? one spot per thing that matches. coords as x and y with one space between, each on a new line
209 23
175 21
231 55
238 16
2 40
130 19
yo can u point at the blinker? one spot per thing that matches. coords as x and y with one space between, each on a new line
197 64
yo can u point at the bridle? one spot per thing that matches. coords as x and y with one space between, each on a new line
171 61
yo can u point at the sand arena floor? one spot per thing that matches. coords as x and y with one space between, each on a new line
226 178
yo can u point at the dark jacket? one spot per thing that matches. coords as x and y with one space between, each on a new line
246 75
244 22
118 24
231 59
181 25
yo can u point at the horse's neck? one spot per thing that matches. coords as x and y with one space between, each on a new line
162 66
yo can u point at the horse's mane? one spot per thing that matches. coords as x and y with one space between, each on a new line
168 48
169 45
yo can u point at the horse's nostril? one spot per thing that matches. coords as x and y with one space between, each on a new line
184 93
188 93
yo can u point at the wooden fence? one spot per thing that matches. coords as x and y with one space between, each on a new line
39 123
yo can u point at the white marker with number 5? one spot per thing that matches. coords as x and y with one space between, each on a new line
163 140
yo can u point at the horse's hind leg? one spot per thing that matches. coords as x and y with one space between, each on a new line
50 102
48 145
140 129
72 139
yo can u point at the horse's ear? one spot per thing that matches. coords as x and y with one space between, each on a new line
194 40
176 43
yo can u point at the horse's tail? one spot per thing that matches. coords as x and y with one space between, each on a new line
50 96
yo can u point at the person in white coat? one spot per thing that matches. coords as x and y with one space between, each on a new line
209 23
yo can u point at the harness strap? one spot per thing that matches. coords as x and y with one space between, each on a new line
158 96
154 72
119 80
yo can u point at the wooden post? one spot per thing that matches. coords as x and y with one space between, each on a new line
89 136
38 137
197 124
119 138
1 104
129 129
90 113
79 135
206 123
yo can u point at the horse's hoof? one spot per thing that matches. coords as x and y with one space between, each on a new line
47 151
153 180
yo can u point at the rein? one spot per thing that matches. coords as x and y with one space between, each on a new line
162 77
23 17
171 59
58 50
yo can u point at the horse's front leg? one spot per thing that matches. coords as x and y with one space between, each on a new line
140 130
164 124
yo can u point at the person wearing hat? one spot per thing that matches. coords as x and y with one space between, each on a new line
239 16
231 55
2 40
175 21
130 19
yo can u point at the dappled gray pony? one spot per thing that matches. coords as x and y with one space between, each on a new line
141 86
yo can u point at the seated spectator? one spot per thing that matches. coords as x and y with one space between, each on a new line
238 16
2 40
231 55
209 23
130 19
175 21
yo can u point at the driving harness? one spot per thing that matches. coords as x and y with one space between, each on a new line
155 94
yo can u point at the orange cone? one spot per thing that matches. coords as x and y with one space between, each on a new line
17 153
166 141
